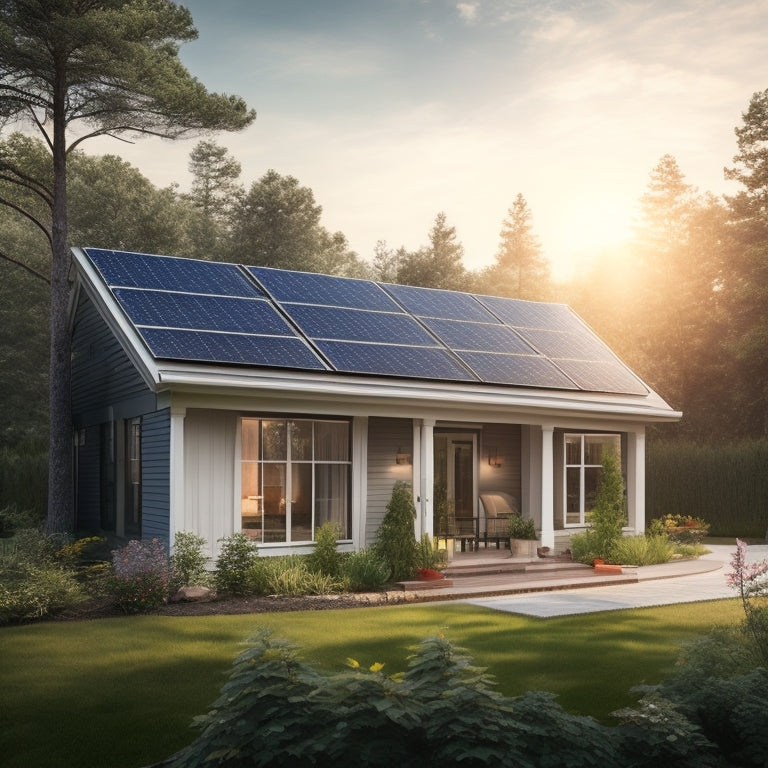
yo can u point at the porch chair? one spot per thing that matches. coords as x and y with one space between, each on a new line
497 509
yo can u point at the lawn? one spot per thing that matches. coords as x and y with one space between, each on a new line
120 693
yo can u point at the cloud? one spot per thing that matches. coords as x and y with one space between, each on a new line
467 11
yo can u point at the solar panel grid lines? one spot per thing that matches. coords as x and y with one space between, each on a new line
193 310
171 273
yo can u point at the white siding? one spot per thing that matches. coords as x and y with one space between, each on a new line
209 475
385 438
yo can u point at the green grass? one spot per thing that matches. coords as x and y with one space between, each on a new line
122 692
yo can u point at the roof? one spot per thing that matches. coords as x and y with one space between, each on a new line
256 319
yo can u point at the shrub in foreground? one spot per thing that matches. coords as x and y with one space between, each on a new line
277 710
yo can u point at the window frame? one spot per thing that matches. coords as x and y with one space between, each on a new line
289 466
582 466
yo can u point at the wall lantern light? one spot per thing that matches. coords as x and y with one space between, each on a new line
401 457
493 457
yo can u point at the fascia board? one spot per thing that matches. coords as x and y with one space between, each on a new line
389 394
109 309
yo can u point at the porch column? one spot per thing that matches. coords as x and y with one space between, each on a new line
425 510
547 486
636 480
176 520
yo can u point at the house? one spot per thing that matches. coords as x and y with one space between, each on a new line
218 398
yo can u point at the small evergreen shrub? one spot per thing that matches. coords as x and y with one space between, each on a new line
365 571
325 559
140 576
188 561
236 557
395 540
607 519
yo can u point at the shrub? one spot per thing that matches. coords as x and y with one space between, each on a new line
642 550
236 557
188 561
37 578
365 571
428 555
38 591
519 527
288 575
140 576
606 519
325 559
395 539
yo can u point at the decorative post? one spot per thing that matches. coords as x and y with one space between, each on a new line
547 487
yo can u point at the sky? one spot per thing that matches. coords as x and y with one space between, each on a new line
394 110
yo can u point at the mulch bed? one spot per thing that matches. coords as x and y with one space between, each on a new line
105 608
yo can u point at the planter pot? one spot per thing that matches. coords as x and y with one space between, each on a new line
523 547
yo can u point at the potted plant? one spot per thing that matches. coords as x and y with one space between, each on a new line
522 536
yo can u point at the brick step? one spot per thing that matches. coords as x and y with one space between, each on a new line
536 568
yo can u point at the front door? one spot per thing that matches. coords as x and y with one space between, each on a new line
455 492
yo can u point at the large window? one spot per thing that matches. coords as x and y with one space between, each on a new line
583 467
295 476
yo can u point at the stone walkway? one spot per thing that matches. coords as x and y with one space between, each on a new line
676 582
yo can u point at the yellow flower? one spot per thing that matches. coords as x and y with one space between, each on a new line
377 667
353 663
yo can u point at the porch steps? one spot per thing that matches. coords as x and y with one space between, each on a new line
534 568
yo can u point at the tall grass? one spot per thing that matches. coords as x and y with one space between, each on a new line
24 478
727 485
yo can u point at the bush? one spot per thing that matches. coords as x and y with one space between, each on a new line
288 575
395 539
325 559
642 550
365 571
428 555
236 557
37 578
188 561
606 519
38 591
140 576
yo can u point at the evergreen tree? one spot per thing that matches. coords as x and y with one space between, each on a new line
74 70
521 271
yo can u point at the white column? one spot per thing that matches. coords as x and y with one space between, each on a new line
636 480
547 487
176 512
425 510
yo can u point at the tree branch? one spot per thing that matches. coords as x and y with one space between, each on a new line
27 215
26 267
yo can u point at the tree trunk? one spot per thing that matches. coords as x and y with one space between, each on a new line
60 476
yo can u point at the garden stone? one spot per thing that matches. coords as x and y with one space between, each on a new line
192 594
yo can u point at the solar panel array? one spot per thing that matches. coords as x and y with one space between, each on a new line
211 312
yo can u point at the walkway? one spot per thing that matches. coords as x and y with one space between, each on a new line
676 582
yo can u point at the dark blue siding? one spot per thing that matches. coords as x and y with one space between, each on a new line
156 475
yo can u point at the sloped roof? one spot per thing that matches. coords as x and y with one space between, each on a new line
235 315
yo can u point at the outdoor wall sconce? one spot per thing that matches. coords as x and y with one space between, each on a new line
401 457
493 457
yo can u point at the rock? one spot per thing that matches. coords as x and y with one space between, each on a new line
192 594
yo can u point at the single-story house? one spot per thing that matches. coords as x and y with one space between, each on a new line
218 398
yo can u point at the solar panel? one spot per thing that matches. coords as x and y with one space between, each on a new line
139 270
448 305
357 325
517 370
209 313
530 314
603 376
245 349
573 346
329 291
480 337
394 360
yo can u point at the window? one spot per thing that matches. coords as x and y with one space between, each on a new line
583 466
120 476
295 476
